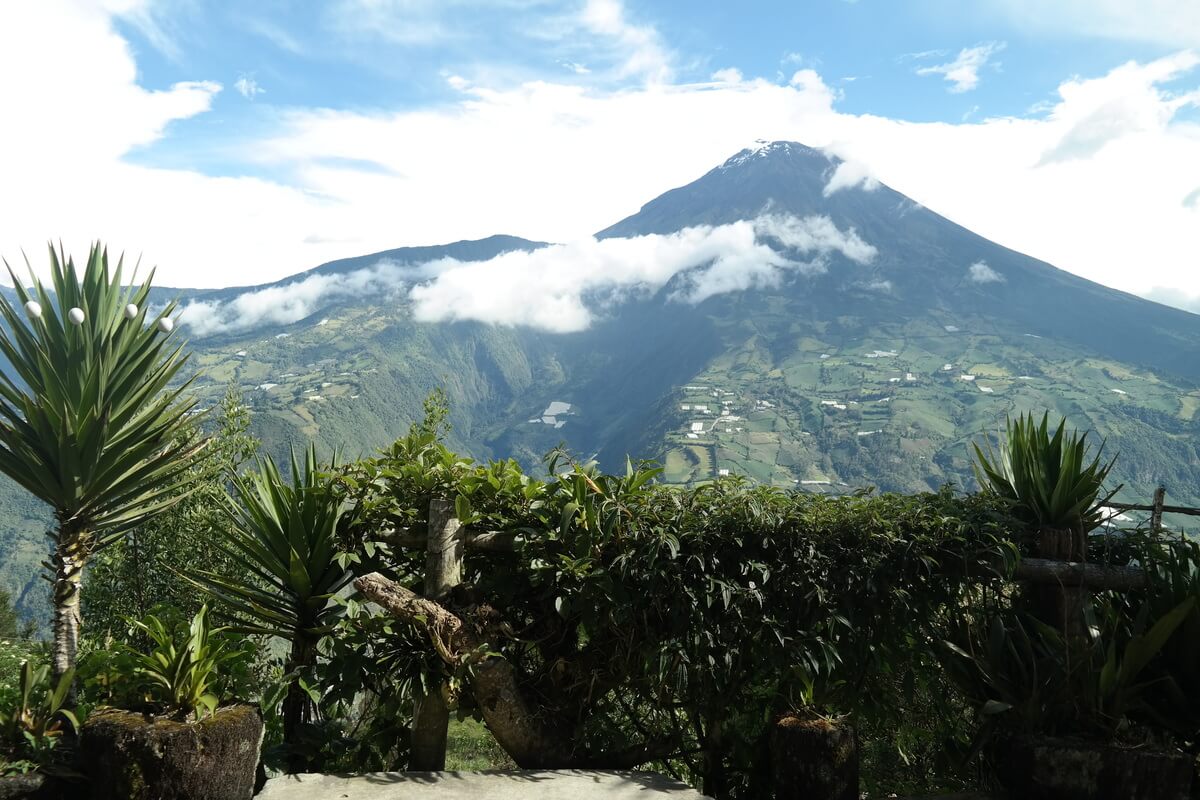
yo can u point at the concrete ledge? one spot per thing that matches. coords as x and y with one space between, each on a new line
489 784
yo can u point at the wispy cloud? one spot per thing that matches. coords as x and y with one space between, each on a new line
561 288
1174 23
293 301
963 72
247 87
641 49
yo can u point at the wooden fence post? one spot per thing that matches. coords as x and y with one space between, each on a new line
1160 496
443 571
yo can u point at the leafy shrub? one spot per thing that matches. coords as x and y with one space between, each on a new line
680 621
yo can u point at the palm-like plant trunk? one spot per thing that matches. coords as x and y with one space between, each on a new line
68 561
297 705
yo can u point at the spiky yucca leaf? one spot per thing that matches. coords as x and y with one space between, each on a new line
1047 476
88 420
285 532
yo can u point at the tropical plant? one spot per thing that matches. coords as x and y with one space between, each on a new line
33 726
286 533
1022 678
182 666
1173 579
1047 477
88 420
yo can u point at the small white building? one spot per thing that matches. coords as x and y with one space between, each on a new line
697 427
722 473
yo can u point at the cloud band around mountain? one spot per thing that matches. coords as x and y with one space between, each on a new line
560 288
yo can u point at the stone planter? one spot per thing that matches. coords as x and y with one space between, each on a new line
1072 770
813 758
135 756
33 786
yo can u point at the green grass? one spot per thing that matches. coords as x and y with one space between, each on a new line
470 746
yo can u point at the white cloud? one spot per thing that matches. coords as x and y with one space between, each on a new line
980 272
558 288
848 175
727 75
1127 101
1192 200
248 87
963 72
292 302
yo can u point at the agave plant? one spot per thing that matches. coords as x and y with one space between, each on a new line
88 421
286 532
181 674
1047 477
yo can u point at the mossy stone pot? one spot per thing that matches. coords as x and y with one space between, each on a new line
33 786
813 757
129 755
1064 769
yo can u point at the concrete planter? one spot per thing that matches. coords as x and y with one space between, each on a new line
136 756
1071 770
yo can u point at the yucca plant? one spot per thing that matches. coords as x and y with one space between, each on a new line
1048 477
180 671
88 420
286 533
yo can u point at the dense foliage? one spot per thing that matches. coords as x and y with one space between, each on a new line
682 620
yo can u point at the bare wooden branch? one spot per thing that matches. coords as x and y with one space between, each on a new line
1077 573
518 728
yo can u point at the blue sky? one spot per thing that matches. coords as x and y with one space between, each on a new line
233 142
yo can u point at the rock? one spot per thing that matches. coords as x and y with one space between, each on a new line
132 756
